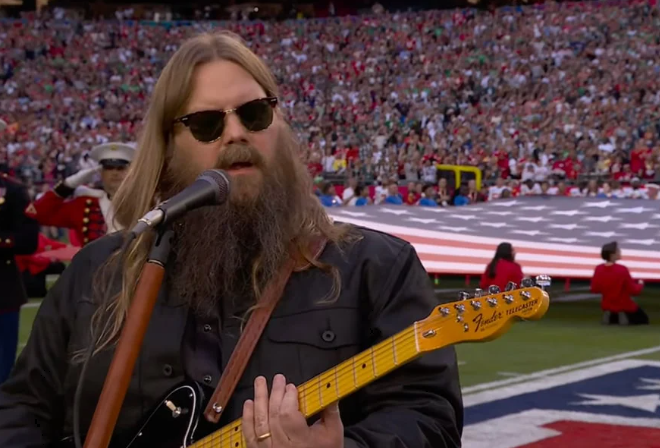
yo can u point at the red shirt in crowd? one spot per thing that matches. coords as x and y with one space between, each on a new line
616 285
505 272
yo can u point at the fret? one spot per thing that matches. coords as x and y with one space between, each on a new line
353 367
384 358
302 400
394 351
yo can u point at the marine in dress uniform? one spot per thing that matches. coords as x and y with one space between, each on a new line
87 211
18 236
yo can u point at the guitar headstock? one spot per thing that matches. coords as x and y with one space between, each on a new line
483 315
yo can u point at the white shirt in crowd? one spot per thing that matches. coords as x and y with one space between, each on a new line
495 192
526 191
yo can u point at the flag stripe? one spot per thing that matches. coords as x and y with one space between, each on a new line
450 267
414 239
465 255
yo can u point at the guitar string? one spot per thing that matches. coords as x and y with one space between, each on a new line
405 336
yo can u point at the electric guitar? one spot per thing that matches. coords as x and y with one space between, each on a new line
177 421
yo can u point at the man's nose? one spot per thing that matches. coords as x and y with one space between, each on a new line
234 131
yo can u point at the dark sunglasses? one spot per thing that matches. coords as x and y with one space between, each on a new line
207 126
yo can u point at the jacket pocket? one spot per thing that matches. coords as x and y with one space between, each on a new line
322 329
311 342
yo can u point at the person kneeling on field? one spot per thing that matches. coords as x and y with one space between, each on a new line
617 287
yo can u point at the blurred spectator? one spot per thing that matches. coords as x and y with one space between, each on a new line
429 197
393 196
329 196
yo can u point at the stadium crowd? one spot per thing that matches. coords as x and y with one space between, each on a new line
551 99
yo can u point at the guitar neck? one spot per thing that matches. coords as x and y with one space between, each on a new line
334 384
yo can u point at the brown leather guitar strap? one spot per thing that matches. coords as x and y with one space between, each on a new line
251 334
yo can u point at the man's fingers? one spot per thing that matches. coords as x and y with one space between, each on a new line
291 419
248 424
261 425
275 402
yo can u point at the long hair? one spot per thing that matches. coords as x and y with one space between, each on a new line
504 251
140 190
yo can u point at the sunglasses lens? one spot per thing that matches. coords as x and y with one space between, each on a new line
256 115
207 126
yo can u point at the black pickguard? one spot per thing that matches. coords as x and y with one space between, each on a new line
164 427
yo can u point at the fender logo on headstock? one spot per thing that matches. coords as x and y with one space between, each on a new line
482 323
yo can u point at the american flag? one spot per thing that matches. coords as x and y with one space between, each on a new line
559 237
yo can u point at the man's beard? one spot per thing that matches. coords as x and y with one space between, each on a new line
222 255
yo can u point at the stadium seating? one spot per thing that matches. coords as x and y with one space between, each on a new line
545 93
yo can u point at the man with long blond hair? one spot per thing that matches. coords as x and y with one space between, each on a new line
215 106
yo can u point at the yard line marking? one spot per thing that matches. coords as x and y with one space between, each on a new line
513 374
553 371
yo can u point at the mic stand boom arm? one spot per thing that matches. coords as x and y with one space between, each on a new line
130 342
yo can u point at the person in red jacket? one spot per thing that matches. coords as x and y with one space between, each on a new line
614 282
502 269
87 211
34 268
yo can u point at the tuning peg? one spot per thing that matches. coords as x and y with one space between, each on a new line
527 282
543 281
463 295
493 289
510 286
478 292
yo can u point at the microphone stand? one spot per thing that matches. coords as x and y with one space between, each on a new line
130 341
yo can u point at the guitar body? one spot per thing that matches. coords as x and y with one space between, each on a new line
172 424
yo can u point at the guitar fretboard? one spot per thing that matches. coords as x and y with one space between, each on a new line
334 384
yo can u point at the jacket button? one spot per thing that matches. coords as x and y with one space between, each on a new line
208 379
207 328
328 336
167 370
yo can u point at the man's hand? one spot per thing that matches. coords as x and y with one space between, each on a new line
277 422
81 177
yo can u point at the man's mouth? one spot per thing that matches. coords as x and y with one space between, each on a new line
240 165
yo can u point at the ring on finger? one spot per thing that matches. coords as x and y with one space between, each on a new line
263 437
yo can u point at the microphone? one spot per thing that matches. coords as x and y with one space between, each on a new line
210 188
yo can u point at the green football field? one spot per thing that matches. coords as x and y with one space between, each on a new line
569 333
